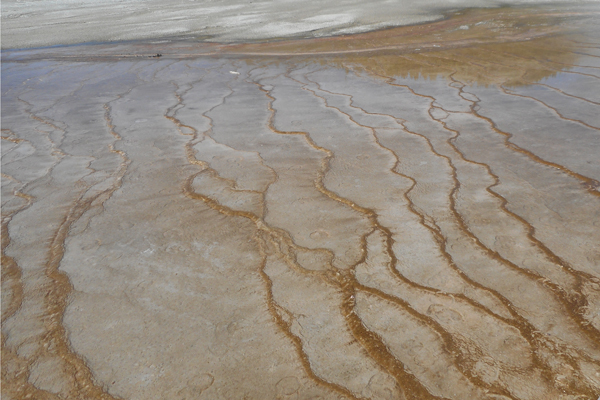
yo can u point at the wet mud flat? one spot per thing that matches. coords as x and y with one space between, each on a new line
406 214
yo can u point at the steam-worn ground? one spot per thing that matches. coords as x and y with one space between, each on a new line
385 225
36 23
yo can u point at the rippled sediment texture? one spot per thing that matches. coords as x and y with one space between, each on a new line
416 225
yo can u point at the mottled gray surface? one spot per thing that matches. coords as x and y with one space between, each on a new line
30 23
383 225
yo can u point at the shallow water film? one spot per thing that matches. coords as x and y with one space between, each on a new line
406 214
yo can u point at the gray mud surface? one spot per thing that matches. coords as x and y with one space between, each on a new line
405 214
37 23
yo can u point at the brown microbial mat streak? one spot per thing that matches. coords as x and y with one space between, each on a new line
411 213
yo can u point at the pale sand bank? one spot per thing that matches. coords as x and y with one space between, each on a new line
28 23
406 214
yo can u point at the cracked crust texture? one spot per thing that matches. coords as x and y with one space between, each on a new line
406 214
